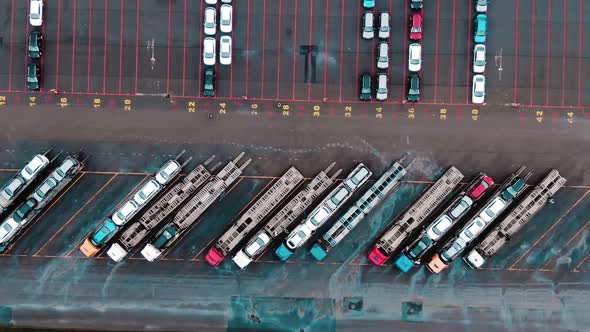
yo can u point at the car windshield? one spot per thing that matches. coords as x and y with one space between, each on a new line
209 55
382 90
7 227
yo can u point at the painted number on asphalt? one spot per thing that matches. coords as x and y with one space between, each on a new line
2 100
474 114
192 106
316 110
254 108
443 114
379 112
539 116
96 103
570 117
411 113
63 102
347 111
127 104
32 101
222 108
286 109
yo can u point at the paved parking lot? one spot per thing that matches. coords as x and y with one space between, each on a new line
303 50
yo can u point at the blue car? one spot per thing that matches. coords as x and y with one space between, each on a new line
283 252
369 4
481 28
104 233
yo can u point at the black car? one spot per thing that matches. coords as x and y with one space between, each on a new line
35 45
33 76
365 93
209 82
414 88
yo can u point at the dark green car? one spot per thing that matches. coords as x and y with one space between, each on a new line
33 76
209 82
416 4
35 45
365 93
414 88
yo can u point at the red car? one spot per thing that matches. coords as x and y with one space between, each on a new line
476 192
377 257
214 257
416 26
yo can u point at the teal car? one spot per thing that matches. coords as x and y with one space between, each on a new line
369 4
481 28
104 233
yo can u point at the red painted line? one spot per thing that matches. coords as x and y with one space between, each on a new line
548 52
532 79
405 51
516 51
580 18
136 43
279 49
469 50
341 48
578 232
436 51
310 42
358 37
74 45
294 50
169 32
247 47
104 66
564 52
263 46
58 38
326 50
184 52
89 46
11 46
121 46
453 52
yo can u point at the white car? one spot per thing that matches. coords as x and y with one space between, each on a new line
337 198
147 191
209 51
493 209
481 6
167 172
381 93
317 218
125 213
359 176
211 2
438 227
65 168
210 23
368 25
478 91
479 58
7 230
11 189
225 50
414 57
44 189
226 1
383 55
36 13
34 166
473 230
254 248
298 236
384 25
150 252
225 18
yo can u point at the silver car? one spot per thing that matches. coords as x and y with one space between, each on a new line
382 91
368 25
479 58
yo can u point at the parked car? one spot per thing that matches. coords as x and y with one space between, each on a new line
414 57
416 4
245 256
383 55
479 58
478 91
168 171
368 25
481 6
365 93
36 13
369 4
481 28
44 189
477 192
381 93
147 191
35 48
209 51
225 48
384 28
33 76
125 212
209 82
209 22
416 26
34 166
414 88
211 2
225 18
66 168
357 177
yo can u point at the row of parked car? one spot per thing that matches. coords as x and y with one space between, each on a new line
35 45
210 41
478 89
